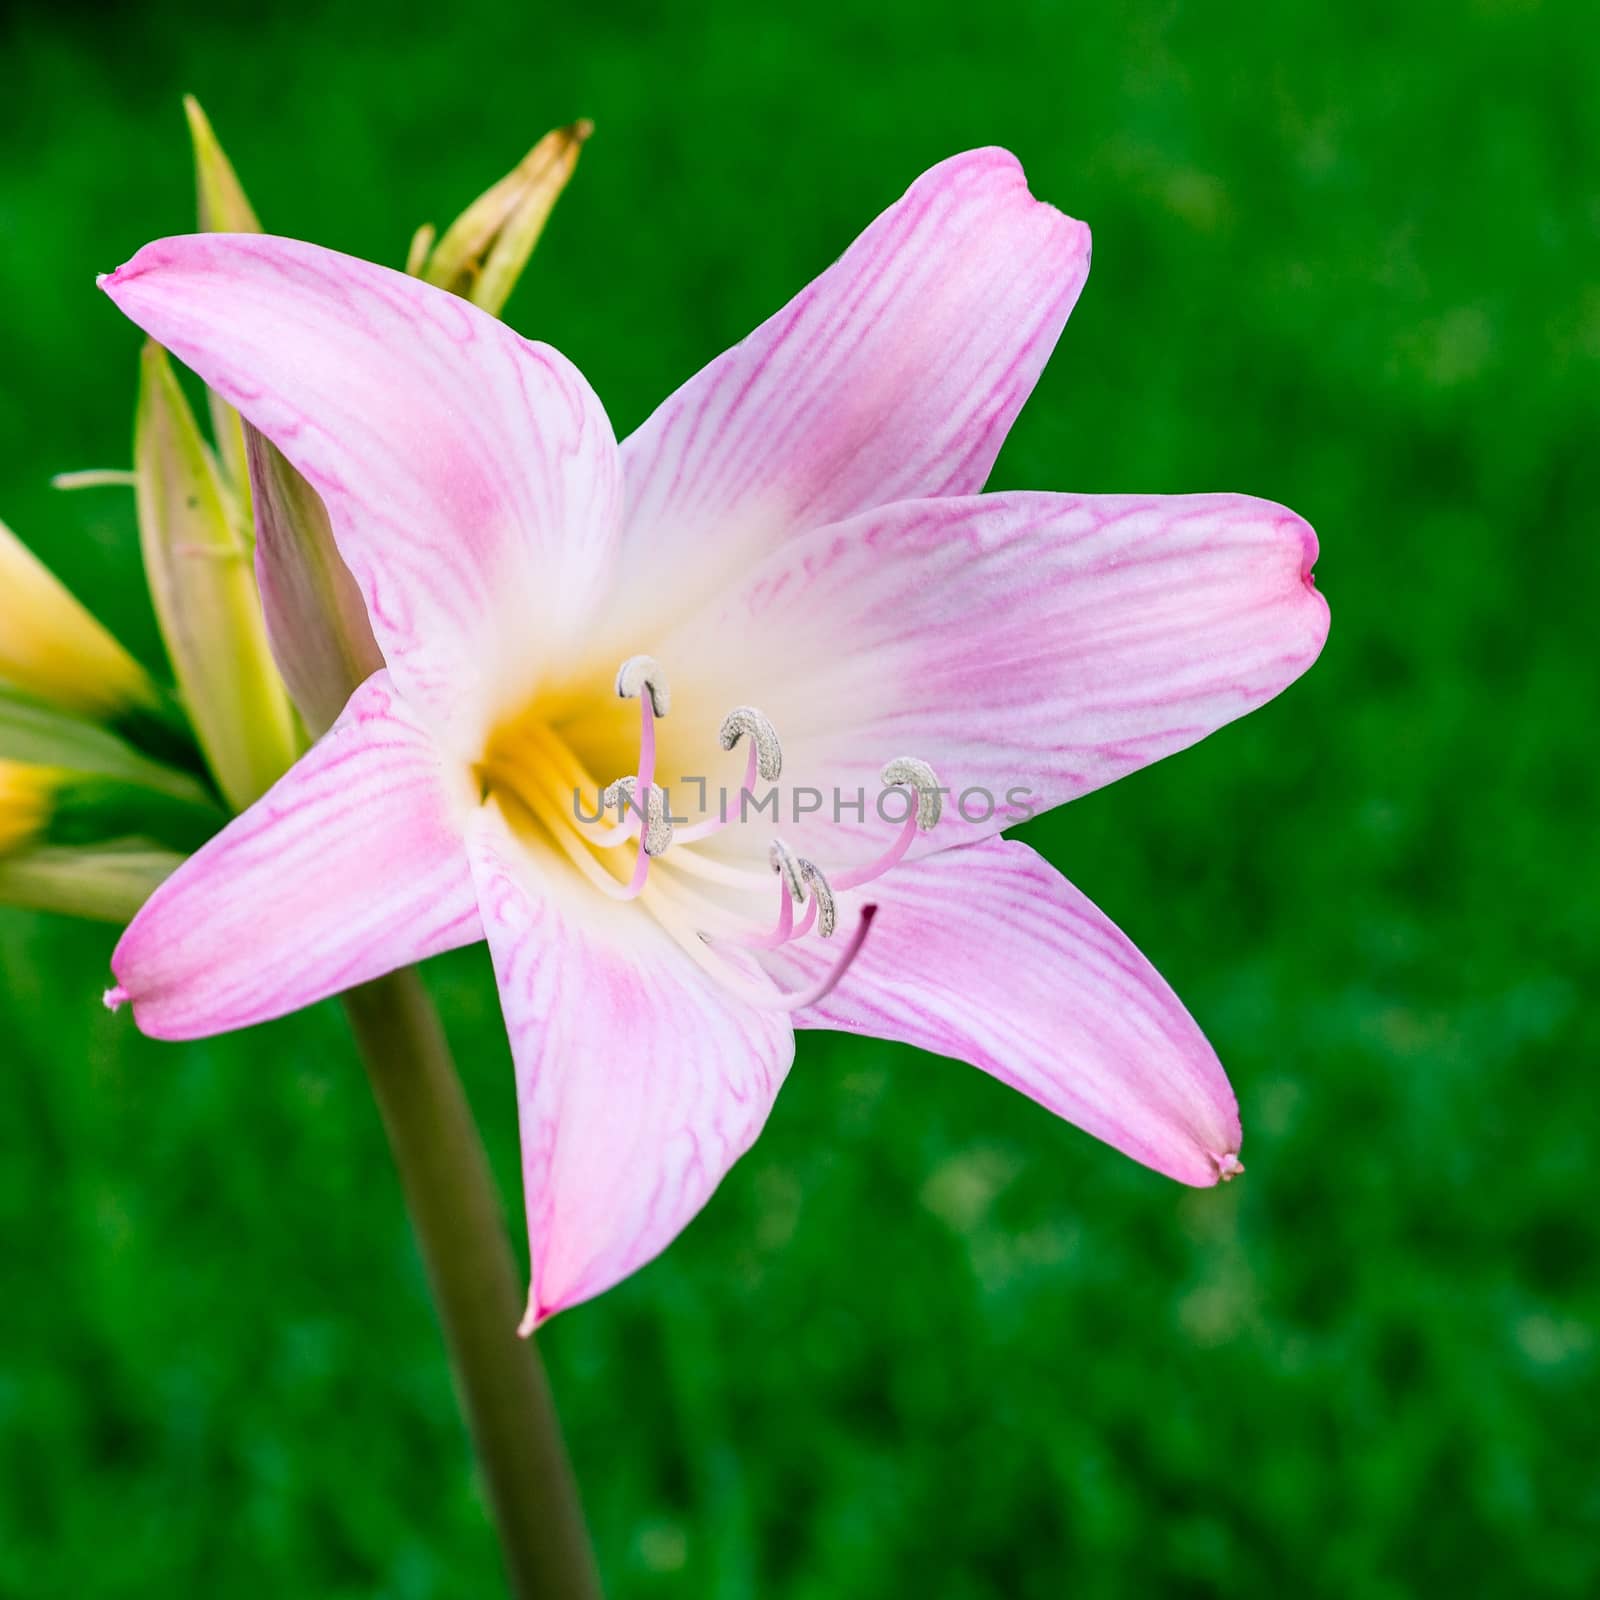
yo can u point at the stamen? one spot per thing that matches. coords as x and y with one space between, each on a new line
784 930
796 1000
656 821
827 916
917 774
638 673
746 722
807 922
830 980
905 772
634 676
784 861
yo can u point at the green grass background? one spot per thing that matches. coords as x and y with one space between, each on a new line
925 1340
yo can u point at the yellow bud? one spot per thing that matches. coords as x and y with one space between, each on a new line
198 563
483 252
222 207
27 798
52 648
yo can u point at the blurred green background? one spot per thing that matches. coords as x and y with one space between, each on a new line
925 1340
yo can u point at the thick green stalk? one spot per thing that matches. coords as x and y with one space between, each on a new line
460 1230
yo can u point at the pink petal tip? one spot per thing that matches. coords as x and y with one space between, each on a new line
116 998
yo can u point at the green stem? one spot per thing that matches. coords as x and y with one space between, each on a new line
460 1230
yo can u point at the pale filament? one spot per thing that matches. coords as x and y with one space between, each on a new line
765 999
711 825
854 877
641 791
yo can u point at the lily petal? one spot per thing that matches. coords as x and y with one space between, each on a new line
471 478
1038 643
989 955
894 375
639 1082
351 865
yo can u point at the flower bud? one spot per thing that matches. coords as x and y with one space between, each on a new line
483 252
27 799
45 805
222 208
107 883
87 825
54 650
198 563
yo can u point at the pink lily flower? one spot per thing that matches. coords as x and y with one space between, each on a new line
791 555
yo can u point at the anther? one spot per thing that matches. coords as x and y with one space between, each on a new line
827 913
791 866
656 824
639 673
918 775
747 722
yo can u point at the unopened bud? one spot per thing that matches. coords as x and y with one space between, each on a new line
483 252
54 650
27 798
106 883
221 207
197 561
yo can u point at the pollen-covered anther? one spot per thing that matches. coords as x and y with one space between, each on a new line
619 797
745 722
827 912
917 774
786 862
639 673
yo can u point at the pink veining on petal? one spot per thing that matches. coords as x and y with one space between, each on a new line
351 865
471 478
989 955
1043 643
639 1081
895 374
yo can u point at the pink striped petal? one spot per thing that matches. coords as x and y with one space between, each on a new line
989 955
895 375
351 865
1029 645
471 477
639 1082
